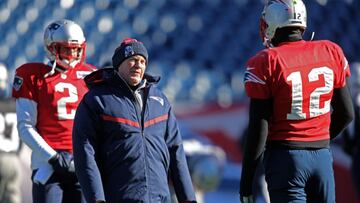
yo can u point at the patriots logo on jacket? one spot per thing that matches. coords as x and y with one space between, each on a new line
158 99
251 77
18 81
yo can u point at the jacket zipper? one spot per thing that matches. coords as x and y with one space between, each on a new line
141 122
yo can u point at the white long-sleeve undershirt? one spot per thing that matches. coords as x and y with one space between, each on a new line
26 111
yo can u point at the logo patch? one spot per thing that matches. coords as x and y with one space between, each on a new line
251 77
129 51
158 99
18 81
82 74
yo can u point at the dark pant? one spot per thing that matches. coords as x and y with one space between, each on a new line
300 176
58 189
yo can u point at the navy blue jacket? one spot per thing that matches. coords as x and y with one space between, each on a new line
124 154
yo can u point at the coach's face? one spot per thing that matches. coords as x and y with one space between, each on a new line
132 69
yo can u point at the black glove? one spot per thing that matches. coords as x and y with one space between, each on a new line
63 163
246 199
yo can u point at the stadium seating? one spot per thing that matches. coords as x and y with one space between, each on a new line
199 47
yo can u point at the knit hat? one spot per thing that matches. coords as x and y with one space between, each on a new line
128 47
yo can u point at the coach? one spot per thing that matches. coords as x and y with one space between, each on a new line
126 138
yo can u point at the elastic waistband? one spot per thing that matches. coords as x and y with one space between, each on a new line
289 144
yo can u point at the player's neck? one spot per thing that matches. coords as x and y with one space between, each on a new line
287 35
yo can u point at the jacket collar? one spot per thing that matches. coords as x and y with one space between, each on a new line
110 76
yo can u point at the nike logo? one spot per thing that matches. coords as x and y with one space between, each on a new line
251 77
158 99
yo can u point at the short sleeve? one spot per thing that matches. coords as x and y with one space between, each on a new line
343 69
24 83
256 76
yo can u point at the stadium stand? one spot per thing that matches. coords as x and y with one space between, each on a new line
198 46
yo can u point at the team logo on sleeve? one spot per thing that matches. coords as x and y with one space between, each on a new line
18 81
251 77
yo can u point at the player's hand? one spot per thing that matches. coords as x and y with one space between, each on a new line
246 199
63 163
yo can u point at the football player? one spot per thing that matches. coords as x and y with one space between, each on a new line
47 96
292 86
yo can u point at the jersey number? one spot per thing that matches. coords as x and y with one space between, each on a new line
314 103
63 113
9 139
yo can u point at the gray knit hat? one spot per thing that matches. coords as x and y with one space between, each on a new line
128 47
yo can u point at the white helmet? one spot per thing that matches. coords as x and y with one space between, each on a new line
281 13
66 34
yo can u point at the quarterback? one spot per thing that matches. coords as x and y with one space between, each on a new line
299 102
47 96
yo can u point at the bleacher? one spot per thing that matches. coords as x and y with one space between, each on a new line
199 47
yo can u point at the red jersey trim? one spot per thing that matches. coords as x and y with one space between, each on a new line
156 120
121 120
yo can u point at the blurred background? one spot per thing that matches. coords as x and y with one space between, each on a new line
199 48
